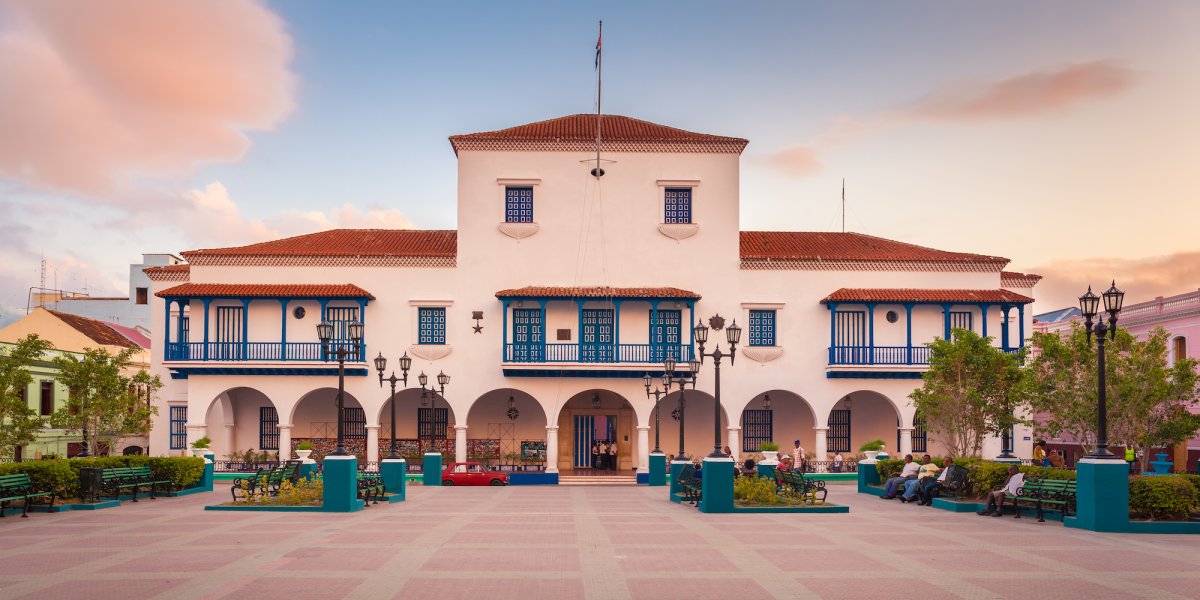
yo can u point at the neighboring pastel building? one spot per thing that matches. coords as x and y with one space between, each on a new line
129 311
1178 315
555 295
68 335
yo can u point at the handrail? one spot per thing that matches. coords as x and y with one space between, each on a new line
587 353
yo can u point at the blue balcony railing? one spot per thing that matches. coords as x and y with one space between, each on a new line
586 353
879 355
249 351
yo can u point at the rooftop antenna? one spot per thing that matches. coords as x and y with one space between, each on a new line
843 205
42 296
598 172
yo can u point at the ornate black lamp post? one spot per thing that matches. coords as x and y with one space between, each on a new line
443 380
733 334
668 377
658 394
380 365
1089 305
342 349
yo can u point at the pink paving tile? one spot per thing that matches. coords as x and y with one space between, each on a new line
115 540
1122 559
524 538
1058 587
377 537
694 559
499 559
654 538
907 539
99 589
188 561
333 559
839 561
780 538
265 538
847 588
41 563
1183 586
491 589
291 588
670 588
980 559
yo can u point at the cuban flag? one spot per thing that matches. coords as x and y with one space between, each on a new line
598 51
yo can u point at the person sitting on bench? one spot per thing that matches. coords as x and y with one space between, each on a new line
908 472
995 499
927 472
928 487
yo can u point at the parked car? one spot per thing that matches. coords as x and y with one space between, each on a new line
472 473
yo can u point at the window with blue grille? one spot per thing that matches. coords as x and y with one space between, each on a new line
431 324
757 427
178 427
920 439
518 205
677 205
961 320
837 439
431 423
268 428
354 420
762 328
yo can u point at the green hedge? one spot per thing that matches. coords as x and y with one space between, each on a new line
982 475
1162 497
62 475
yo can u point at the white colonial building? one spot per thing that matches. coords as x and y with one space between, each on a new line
557 293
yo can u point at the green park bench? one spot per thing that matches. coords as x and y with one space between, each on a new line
17 486
1052 494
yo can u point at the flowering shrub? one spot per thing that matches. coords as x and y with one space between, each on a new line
304 492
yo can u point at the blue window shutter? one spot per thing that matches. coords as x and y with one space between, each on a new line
178 427
518 205
268 428
677 205
431 323
762 328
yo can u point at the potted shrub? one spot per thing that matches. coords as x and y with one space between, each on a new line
200 447
303 450
770 451
871 449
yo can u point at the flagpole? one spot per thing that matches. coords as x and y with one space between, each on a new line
843 205
599 83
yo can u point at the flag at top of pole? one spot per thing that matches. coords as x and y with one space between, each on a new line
598 38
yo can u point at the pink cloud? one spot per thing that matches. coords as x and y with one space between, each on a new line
798 161
1141 278
99 92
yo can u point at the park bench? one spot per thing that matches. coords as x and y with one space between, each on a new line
810 489
264 481
370 487
113 480
246 486
955 485
18 487
689 484
1052 494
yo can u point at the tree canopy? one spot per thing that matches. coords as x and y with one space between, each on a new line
19 423
105 401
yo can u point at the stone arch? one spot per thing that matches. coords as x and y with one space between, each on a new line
233 420
408 401
488 424
792 418
597 404
698 416
873 415
314 418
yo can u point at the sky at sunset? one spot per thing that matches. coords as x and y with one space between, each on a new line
1063 135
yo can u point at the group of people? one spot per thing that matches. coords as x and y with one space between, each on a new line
604 455
919 482
1041 457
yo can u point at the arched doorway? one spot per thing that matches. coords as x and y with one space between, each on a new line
242 420
423 422
314 419
698 417
506 428
860 417
595 416
782 417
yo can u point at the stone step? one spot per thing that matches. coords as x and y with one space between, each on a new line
596 480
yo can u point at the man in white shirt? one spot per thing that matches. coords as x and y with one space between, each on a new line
908 472
995 500
798 456
837 462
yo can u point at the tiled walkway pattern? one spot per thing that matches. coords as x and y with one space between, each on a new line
585 542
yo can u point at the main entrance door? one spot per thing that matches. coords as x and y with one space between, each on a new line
588 430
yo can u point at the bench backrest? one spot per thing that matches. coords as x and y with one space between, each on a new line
15 481
687 472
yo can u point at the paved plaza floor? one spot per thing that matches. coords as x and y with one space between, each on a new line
576 542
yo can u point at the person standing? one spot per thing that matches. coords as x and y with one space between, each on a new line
837 462
798 457
596 464
1130 457
612 456
1039 454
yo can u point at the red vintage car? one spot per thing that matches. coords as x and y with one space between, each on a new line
472 473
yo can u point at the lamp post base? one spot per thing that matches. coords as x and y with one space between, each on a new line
393 472
658 469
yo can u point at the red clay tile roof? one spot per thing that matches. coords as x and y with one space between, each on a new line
1014 278
97 331
617 133
349 242
168 269
133 334
265 290
931 296
596 292
832 246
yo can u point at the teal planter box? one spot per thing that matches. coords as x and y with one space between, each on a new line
341 484
767 471
716 486
308 470
676 494
393 470
658 470
206 480
432 468
868 475
1102 495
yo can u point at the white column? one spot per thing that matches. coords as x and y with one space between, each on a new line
228 440
552 449
905 441
643 440
285 442
372 443
734 439
460 443
821 449
194 432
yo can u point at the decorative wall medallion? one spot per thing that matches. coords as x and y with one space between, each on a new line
678 231
518 230
892 317
430 351
763 354
298 312
478 316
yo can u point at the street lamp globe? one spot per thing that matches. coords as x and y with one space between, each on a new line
443 379
324 331
1113 299
646 382
380 364
669 366
422 379
695 367
405 362
1088 304
355 330
733 333
700 332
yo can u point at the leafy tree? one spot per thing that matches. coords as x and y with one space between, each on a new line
1149 403
970 391
19 423
103 400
